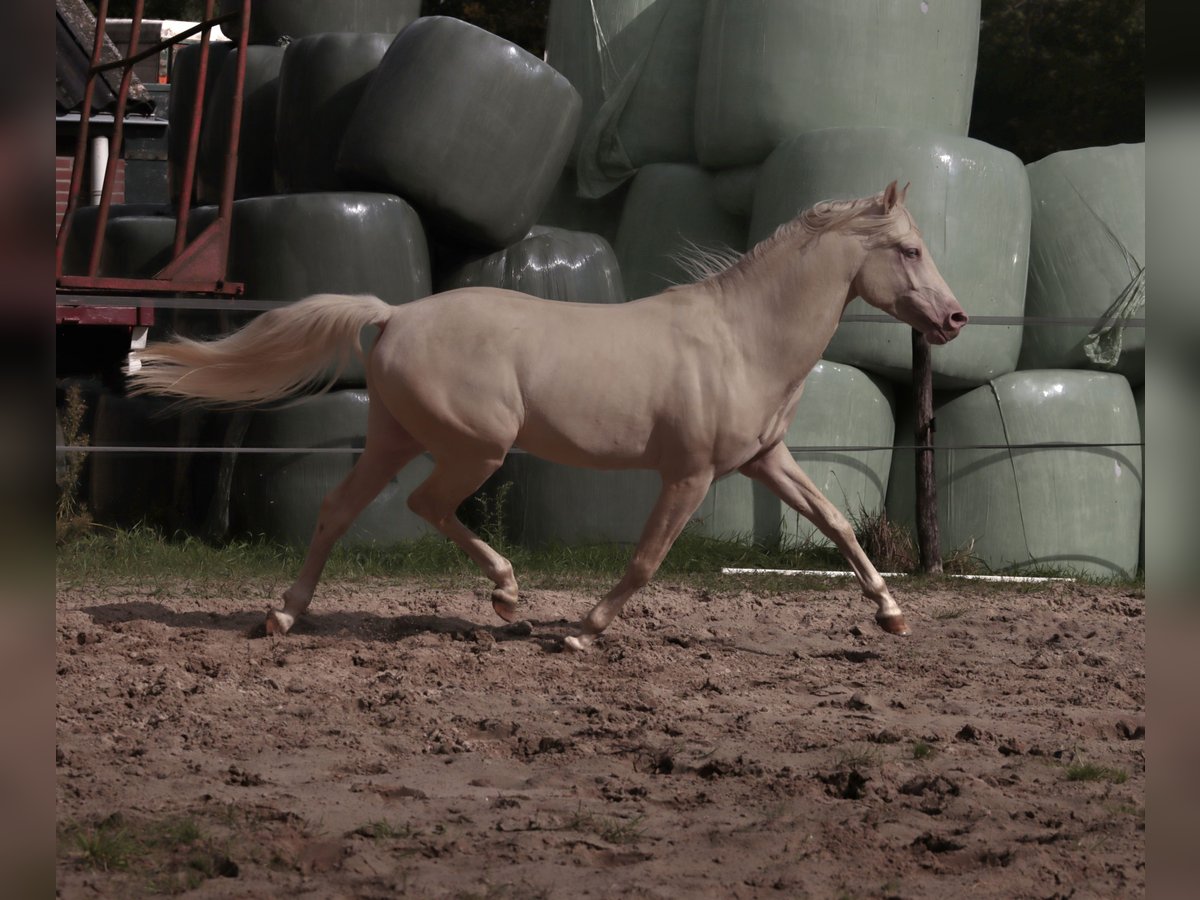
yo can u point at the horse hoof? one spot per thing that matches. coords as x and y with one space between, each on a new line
279 622
505 609
578 643
893 624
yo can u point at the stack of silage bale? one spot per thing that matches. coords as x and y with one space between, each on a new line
707 124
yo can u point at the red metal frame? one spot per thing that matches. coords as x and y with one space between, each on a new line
197 266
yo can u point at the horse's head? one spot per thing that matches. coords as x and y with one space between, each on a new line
899 277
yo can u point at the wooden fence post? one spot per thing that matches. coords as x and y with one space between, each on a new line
928 536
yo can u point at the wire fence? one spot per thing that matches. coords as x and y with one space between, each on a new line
208 304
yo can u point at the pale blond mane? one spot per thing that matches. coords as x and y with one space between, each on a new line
863 217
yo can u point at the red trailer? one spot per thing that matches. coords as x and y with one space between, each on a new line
120 308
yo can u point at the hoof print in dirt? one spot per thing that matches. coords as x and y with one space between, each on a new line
848 784
242 778
936 843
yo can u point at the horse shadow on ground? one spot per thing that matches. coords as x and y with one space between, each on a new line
548 634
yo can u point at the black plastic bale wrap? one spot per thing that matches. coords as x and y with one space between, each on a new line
551 263
469 128
279 496
670 210
273 21
256 140
321 82
185 84
138 240
291 246
634 64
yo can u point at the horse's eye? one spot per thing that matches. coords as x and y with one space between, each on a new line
912 252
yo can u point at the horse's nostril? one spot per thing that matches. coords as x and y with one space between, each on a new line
957 319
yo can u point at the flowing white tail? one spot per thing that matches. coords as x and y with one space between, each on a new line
274 356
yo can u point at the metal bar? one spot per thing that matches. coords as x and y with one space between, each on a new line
189 169
114 150
163 45
229 184
145 286
929 541
64 229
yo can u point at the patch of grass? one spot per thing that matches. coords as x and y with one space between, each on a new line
71 516
956 613
615 831
859 758
922 750
107 846
1083 771
383 830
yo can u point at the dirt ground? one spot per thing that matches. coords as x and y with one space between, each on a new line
746 742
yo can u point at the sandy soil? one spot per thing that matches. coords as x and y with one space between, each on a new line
740 743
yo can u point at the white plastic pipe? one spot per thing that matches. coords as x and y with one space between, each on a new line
837 573
99 167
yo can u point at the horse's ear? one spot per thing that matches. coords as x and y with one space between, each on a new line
904 191
890 195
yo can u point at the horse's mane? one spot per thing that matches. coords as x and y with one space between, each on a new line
862 217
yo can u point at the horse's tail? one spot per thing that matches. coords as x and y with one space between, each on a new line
276 355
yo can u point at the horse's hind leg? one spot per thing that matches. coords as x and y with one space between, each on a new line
679 499
389 448
437 498
779 472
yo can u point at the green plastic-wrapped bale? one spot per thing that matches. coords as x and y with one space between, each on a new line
469 128
972 203
321 81
671 209
278 21
566 209
279 496
634 64
551 263
840 407
1087 260
185 88
1069 508
256 139
770 71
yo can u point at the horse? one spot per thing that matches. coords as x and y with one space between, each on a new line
695 383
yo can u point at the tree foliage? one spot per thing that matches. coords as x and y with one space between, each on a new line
521 21
1060 74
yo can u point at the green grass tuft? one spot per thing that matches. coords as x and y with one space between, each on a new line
1081 771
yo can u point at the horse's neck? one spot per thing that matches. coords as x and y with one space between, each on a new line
785 306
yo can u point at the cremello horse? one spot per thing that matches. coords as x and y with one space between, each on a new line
694 383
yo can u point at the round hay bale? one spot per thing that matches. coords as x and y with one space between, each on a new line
735 189
671 208
321 81
138 240
1087 260
185 85
280 21
469 128
840 407
551 263
278 496
971 201
770 71
256 139
128 488
634 64
1074 509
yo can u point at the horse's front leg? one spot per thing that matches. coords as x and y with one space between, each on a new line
776 469
678 500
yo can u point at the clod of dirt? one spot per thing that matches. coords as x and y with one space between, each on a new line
925 784
243 779
1131 731
848 784
969 733
886 736
861 701
1012 747
937 844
